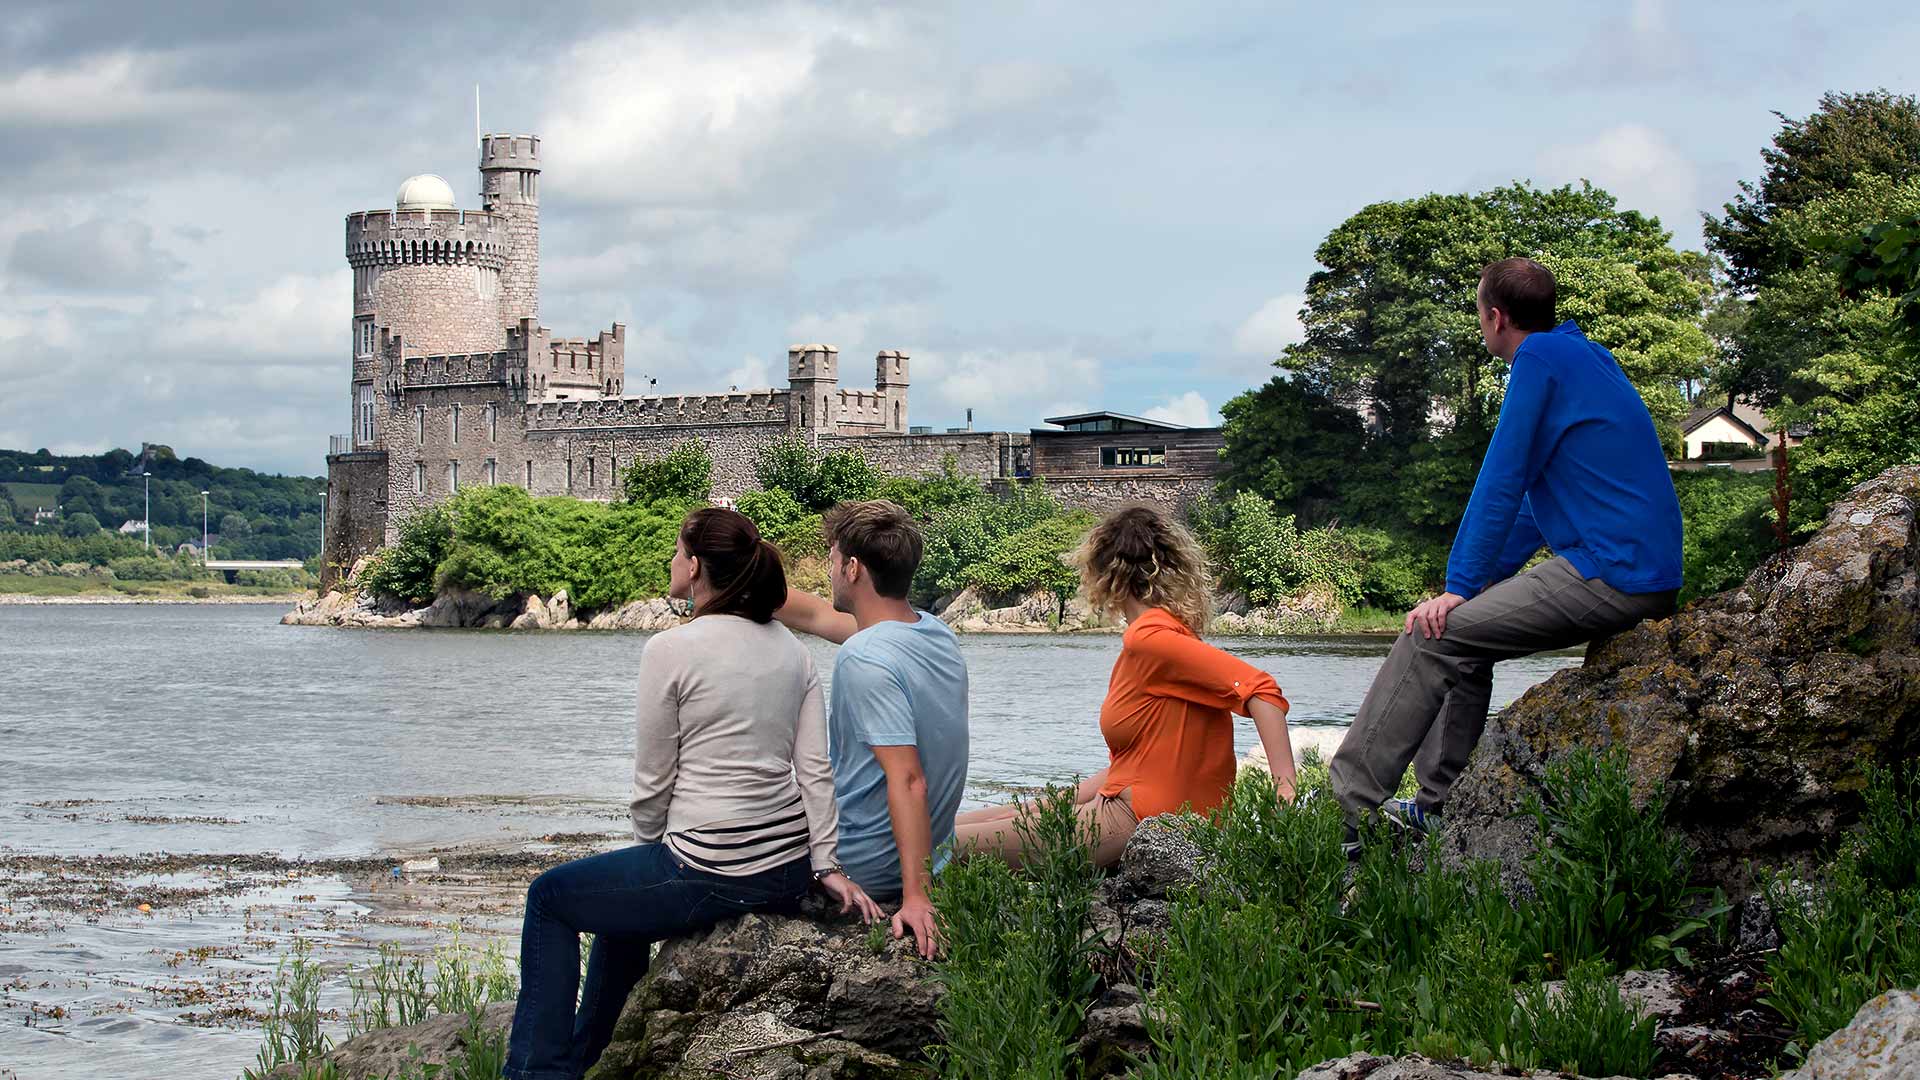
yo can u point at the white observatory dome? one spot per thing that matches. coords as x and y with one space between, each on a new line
427 191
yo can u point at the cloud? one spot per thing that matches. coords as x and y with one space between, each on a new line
1007 382
752 373
1637 46
306 316
1639 165
1188 410
1267 332
92 255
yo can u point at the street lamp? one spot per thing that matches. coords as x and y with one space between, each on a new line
147 526
205 551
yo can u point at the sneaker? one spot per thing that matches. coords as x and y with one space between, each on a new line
1407 814
1350 844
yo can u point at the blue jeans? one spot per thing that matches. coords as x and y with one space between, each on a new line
627 900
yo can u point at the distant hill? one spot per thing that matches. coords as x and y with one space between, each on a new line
255 515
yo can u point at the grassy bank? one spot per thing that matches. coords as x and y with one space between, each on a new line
27 585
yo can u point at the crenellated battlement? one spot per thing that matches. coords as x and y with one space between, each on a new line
678 410
521 152
457 369
426 237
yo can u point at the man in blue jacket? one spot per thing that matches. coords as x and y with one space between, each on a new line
1575 463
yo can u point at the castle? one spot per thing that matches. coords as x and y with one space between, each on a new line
455 382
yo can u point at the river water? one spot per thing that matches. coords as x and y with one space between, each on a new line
213 730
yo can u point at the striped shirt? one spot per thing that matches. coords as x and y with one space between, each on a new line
730 765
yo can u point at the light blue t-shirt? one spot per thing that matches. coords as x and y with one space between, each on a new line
896 684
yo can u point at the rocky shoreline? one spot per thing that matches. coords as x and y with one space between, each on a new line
967 612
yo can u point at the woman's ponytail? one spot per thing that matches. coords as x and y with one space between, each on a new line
744 570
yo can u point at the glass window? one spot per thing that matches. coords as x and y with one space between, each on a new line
453 425
420 425
1133 457
420 477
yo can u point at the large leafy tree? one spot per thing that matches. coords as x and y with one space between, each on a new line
1291 445
1849 136
1390 319
1786 305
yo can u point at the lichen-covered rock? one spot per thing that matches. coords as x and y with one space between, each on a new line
1411 1067
644 615
1760 710
387 1052
1882 1042
776 996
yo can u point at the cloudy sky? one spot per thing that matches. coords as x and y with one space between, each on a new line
1051 207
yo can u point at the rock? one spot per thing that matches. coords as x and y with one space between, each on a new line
716 998
384 1053
1411 1067
1759 710
645 615
1882 1041
560 609
962 606
459 607
1115 1035
533 617
1159 860
1655 994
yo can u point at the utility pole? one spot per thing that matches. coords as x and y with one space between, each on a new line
206 551
147 526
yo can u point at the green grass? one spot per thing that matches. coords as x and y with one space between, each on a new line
1366 620
28 585
30 497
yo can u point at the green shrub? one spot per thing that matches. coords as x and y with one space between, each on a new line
266 579
965 534
683 474
1726 528
505 542
816 480
156 568
1273 560
784 522
1611 879
925 496
1858 934
405 570
1032 559
98 549
1018 973
1396 572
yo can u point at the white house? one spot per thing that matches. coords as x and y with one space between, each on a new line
1738 424
129 527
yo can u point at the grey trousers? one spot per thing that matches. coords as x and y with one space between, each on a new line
1428 704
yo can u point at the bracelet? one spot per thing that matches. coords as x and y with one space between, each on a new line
822 875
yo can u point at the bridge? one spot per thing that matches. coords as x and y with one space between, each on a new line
229 566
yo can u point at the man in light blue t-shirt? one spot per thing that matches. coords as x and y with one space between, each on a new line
897 714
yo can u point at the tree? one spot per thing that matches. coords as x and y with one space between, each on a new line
234 527
815 480
1848 137
1391 324
682 474
1290 444
79 525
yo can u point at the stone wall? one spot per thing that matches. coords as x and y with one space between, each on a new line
981 454
1104 495
356 511
440 308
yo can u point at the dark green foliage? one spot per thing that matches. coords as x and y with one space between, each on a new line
1290 444
1271 559
1857 934
1849 136
1727 519
283 512
683 474
816 480
406 569
1610 877
1396 572
1885 257
79 525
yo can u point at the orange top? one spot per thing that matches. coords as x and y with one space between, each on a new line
1167 718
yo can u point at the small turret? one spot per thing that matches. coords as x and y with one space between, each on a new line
890 379
813 373
510 187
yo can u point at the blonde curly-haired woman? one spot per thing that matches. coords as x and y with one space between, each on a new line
1168 714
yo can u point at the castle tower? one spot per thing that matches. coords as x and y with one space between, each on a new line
426 274
813 376
890 379
510 188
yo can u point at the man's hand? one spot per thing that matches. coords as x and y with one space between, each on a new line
1431 616
916 916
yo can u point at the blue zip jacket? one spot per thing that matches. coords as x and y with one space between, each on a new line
1575 462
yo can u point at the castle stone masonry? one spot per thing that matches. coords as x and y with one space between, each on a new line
455 382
